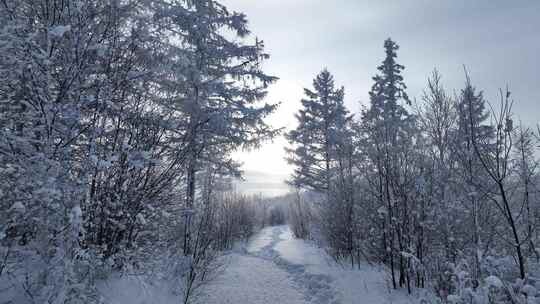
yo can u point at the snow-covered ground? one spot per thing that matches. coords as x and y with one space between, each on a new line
276 268
136 290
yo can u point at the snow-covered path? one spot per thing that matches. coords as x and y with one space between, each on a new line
258 276
276 268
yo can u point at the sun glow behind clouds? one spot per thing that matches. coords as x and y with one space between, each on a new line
266 168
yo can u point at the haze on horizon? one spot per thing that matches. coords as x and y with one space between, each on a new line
346 36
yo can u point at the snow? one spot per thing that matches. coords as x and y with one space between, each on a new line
369 283
529 290
77 212
276 268
261 240
59 31
135 289
494 281
273 268
76 215
300 252
250 279
453 298
18 207
382 210
253 277
140 219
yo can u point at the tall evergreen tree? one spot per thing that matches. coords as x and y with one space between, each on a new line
321 125
323 155
388 131
220 93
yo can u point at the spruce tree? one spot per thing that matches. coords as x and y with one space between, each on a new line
321 125
388 132
220 95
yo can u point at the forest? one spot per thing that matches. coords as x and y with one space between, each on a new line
119 120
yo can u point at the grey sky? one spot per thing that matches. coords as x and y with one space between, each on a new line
498 41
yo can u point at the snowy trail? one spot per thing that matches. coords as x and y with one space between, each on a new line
316 288
254 277
276 268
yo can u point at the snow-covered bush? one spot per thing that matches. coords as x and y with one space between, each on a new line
300 216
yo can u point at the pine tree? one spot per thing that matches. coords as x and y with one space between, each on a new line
221 92
322 123
388 131
323 155
472 115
